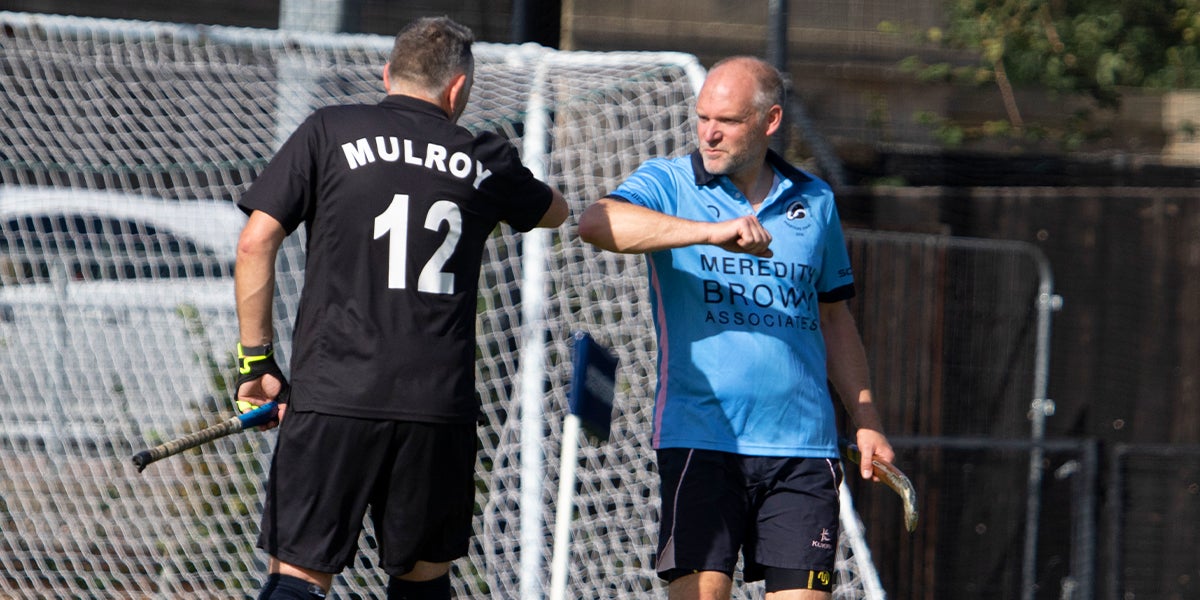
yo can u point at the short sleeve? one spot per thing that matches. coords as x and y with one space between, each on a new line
836 282
521 199
284 189
649 186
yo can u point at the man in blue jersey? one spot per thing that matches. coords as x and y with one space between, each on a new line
397 201
749 278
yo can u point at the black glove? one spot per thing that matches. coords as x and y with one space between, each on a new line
253 363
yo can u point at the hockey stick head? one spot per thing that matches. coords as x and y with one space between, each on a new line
893 478
141 459
593 379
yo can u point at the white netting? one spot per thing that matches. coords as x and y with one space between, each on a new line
123 147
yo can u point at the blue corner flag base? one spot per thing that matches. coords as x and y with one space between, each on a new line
593 378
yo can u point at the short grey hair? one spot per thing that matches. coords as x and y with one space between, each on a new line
430 52
772 85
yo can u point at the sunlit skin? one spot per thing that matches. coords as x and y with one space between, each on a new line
734 125
734 134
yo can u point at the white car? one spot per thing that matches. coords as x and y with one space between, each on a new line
117 314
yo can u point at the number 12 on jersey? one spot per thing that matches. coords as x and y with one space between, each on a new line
394 220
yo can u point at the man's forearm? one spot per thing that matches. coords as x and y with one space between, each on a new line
254 293
623 227
254 278
847 365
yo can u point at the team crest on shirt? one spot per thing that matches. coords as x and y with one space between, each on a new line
797 217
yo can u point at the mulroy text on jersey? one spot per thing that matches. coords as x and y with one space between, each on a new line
435 157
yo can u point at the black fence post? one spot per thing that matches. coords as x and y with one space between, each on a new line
538 21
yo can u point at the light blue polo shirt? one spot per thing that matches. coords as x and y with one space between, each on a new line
741 358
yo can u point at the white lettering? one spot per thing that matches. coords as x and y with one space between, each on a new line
380 146
460 165
408 154
480 174
358 153
436 156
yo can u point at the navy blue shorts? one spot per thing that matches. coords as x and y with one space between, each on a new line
779 512
417 478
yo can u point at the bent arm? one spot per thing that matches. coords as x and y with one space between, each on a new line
556 213
620 226
847 366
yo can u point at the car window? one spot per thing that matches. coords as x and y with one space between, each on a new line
33 248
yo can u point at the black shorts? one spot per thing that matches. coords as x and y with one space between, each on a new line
417 478
780 512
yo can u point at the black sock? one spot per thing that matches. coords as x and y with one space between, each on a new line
286 587
434 589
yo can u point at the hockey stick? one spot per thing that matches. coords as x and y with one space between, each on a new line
894 478
259 416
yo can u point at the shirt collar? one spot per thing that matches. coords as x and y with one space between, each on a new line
414 104
703 177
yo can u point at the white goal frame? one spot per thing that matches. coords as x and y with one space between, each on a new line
157 137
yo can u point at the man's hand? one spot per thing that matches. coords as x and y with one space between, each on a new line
871 444
744 234
258 392
259 380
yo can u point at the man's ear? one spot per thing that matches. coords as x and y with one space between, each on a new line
456 94
774 119
387 83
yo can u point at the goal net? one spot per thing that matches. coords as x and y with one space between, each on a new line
123 148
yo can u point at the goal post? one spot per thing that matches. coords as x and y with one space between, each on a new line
536 265
115 297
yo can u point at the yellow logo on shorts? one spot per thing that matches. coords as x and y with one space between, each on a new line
820 580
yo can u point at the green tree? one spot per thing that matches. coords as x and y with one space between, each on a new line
1086 49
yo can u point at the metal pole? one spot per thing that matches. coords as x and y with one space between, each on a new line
532 374
311 15
565 509
793 109
538 21
1115 513
1085 554
777 55
861 552
1040 408
777 37
296 80
520 21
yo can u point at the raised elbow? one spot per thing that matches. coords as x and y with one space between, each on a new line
261 236
556 214
594 227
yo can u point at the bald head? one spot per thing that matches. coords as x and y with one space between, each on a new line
739 107
754 75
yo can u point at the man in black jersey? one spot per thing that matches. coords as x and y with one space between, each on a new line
381 412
